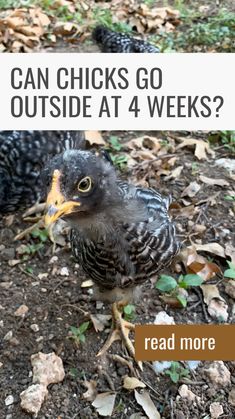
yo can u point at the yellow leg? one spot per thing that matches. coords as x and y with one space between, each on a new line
120 331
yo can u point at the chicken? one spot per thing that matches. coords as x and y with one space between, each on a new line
121 234
110 41
22 156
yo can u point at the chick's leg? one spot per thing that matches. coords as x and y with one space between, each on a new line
120 330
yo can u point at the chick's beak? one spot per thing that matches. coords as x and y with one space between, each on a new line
56 204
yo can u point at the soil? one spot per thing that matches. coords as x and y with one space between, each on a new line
57 302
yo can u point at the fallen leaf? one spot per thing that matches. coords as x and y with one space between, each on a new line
209 181
91 392
214 248
191 190
175 173
130 383
198 264
100 321
144 400
217 307
104 403
202 148
94 137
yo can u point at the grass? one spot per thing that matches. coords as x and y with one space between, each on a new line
197 33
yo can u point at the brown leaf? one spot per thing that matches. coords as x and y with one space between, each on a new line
202 148
197 264
209 181
94 137
144 400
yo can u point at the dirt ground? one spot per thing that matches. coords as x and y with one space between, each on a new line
56 302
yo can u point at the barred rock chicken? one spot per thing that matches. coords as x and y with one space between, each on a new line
22 156
121 234
110 41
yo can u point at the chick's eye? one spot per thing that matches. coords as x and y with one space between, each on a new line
85 184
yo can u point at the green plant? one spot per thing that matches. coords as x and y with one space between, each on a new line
104 17
230 272
42 235
78 333
176 372
129 312
114 143
228 139
168 284
195 33
119 160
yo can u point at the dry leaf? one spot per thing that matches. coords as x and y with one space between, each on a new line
202 148
217 307
197 264
144 400
94 137
104 403
209 181
191 190
214 248
130 383
100 321
91 392
175 173
230 251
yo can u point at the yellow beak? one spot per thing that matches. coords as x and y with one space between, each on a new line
56 204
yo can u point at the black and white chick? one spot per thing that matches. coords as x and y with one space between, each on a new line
121 234
110 41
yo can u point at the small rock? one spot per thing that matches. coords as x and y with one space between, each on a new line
193 364
33 397
1 323
218 374
216 410
14 262
47 368
228 164
21 311
43 289
53 260
187 394
14 342
34 327
64 271
8 335
42 275
6 285
7 254
160 366
230 288
9 400
199 228
163 318
231 397
1 364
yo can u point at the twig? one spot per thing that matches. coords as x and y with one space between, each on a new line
202 304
